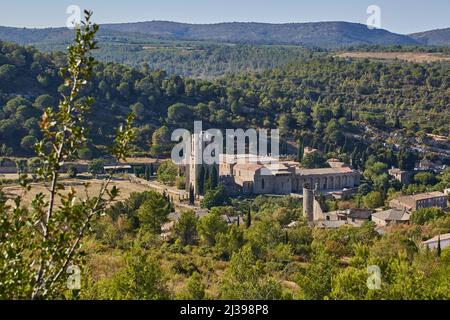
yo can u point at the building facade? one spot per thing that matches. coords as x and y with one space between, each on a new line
284 178
420 201
391 217
400 175
443 241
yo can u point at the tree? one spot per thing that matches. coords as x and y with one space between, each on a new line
207 180
153 212
214 177
314 160
28 143
139 110
186 228
85 153
316 283
364 189
439 249
195 288
300 150
71 171
200 181
191 195
264 236
245 279
300 238
141 279
7 72
215 198
373 170
407 159
210 226
42 244
248 222
179 113
350 284
373 200
229 242
96 167
167 173
425 178
160 142
422 216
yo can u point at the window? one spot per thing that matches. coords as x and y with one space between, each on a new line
262 184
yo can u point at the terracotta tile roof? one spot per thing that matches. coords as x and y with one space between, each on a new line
248 166
324 171
420 196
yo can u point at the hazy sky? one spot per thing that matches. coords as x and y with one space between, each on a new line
401 16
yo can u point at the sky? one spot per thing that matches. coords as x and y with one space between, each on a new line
400 16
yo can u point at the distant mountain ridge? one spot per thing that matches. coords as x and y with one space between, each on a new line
321 34
313 34
438 37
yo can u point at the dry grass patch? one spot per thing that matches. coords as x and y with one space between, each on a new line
417 57
126 188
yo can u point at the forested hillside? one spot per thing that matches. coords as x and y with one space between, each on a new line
439 37
321 34
197 60
329 100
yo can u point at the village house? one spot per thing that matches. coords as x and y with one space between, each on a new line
419 201
433 243
391 217
402 176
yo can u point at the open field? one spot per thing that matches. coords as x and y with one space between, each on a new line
126 188
9 176
418 57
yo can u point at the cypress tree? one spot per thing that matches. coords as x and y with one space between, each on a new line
151 169
439 249
214 177
345 146
191 195
249 219
200 181
207 180
300 150
147 173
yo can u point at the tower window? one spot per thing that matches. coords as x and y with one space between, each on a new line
262 184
